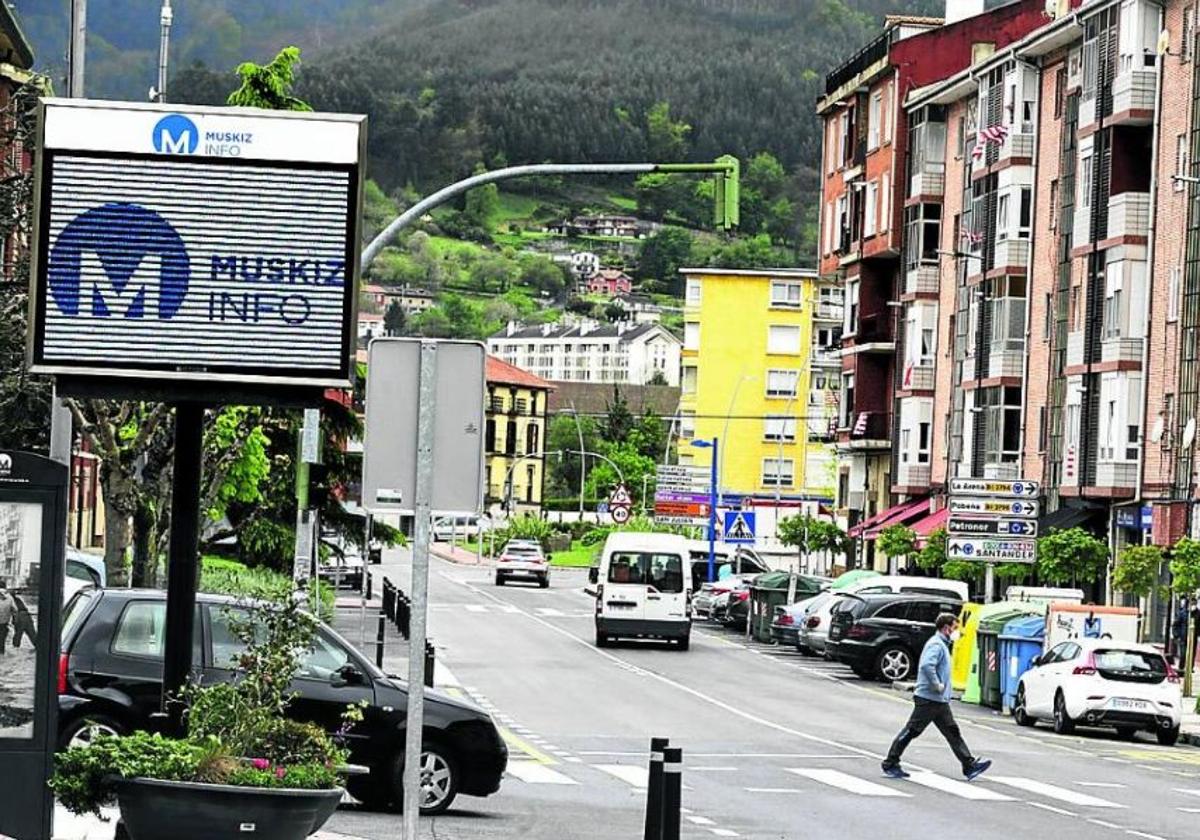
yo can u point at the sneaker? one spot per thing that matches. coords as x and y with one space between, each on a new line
977 769
896 772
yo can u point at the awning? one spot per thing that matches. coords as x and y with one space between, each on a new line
897 515
925 527
1072 514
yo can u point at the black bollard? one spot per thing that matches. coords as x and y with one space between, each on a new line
380 637
654 790
672 791
430 659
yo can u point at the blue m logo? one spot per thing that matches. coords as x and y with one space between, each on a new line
175 134
113 248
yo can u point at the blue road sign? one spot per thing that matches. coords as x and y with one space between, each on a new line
739 527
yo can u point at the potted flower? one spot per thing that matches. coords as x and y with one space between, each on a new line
243 767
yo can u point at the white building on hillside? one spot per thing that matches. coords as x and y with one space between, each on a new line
587 351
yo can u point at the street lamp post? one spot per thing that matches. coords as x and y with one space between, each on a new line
729 416
582 459
712 505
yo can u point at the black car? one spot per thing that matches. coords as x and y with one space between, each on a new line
881 636
110 680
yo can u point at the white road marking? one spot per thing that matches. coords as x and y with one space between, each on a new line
793 756
1188 791
550 612
1053 792
476 608
773 790
1104 823
538 774
699 820
724 832
1189 810
1100 784
574 759
957 788
1053 809
1144 835
639 777
846 782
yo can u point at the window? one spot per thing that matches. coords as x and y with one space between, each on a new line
693 291
689 379
852 306
779 428
960 146
1110 432
847 408
842 233
784 293
923 230
885 203
141 630
1132 442
1002 410
1025 217
1085 182
1002 218
1168 420
927 347
1173 293
1054 205
870 213
1187 36
873 120
1048 317
781 339
777 472
829 226
1060 91
1112 314
687 424
1043 428
323 659
531 439
1008 314
923 439
662 571
1181 160
782 383
691 335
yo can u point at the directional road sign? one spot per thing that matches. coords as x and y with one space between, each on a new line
739 527
1019 508
993 550
963 526
984 487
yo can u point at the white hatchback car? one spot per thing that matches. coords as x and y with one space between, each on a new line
523 559
1102 682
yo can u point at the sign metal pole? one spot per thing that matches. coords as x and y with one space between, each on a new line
415 724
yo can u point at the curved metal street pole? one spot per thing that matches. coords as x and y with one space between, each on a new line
609 461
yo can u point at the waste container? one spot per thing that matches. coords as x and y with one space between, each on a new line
770 590
971 691
1021 640
960 658
988 636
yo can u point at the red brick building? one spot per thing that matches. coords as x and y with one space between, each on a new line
610 282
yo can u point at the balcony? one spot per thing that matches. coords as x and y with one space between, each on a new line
913 475
1012 253
1133 97
1075 345
1129 215
1117 474
1121 350
1018 144
918 378
829 312
1008 363
871 430
826 357
922 279
927 184
1002 472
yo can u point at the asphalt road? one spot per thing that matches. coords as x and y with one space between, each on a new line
775 745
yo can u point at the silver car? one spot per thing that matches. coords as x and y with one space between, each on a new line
813 624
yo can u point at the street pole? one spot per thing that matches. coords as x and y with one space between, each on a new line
582 459
183 561
712 515
1189 661
164 42
76 48
415 720
989 583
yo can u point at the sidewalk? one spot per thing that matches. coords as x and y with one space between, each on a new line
68 826
456 554
1189 728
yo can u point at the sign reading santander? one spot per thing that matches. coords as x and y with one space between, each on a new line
203 244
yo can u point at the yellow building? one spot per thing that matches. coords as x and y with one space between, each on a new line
761 374
516 428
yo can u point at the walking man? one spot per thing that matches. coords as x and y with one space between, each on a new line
931 701
8 610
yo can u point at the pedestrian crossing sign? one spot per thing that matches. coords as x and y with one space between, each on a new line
739 527
620 497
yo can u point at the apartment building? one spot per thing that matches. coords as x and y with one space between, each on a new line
761 373
588 351
515 440
881 239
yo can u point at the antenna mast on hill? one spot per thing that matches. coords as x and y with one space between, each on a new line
158 93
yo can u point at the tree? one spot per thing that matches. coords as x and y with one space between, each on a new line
547 276
1185 567
482 204
657 378
269 85
1137 570
562 435
394 319
619 421
663 254
1072 556
493 270
809 534
665 137
896 541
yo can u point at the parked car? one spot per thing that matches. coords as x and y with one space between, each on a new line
740 562
787 621
642 590
881 636
110 681
343 566
1100 682
523 560
82 570
737 608
447 528
708 592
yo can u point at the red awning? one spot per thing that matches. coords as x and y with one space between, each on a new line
899 514
925 527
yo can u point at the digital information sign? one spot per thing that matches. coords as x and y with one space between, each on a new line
209 244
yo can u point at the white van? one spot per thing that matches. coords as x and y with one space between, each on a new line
645 590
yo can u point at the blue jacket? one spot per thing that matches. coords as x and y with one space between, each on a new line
933 673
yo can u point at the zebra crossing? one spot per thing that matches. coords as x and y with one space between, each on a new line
859 782
508 609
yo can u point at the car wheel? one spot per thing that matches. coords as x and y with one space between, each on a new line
1063 724
1019 714
804 651
84 730
544 581
685 643
1127 733
438 779
499 580
602 639
894 664
1167 737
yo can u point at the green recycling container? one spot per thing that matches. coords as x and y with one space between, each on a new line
972 692
770 590
988 639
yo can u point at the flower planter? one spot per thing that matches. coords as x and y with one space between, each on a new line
158 810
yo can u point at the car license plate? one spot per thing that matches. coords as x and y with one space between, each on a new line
621 605
1130 705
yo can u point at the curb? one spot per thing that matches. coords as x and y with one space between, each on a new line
1190 738
905 687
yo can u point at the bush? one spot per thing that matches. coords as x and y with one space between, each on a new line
219 576
83 776
1137 570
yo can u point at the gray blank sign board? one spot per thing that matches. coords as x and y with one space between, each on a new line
390 444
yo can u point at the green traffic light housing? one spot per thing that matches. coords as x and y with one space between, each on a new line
727 193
